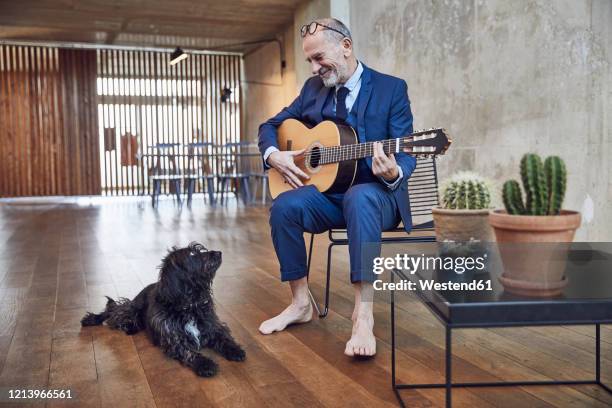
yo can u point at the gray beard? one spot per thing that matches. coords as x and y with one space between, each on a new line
330 82
334 78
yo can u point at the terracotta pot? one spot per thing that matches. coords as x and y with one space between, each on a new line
462 225
538 269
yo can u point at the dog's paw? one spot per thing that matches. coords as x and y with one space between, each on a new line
234 353
205 367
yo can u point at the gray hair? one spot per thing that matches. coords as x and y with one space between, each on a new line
336 25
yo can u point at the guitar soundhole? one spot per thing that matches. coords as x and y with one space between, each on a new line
315 157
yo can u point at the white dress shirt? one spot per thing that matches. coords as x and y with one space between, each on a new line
353 85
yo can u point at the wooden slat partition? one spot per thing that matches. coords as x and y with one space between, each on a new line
48 122
57 105
82 168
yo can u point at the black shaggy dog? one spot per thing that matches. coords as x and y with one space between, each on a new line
177 312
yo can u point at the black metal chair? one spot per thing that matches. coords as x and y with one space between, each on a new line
199 167
233 163
423 193
165 168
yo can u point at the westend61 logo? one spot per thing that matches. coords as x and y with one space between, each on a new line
412 264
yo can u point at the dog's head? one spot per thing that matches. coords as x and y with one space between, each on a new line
186 275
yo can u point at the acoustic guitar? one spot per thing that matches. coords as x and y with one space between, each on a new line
332 150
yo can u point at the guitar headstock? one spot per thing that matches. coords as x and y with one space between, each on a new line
426 143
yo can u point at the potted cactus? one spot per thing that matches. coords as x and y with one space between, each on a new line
535 269
461 223
463 216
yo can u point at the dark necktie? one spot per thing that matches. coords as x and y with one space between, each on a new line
341 112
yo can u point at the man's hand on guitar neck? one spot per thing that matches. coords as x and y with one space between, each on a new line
284 162
384 166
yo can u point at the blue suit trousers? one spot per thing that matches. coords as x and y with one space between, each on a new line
365 210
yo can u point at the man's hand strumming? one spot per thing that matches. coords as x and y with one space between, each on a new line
284 162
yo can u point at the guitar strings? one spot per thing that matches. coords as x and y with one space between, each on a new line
361 147
339 153
329 154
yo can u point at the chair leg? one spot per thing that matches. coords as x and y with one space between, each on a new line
177 190
254 182
264 189
156 192
312 298
247 190
309 254
240 190
227 187
211 190
222 189
327 280
315 304
237 188
190 187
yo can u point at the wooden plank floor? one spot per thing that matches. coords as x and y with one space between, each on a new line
58 260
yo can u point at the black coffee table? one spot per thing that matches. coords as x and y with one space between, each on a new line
586 300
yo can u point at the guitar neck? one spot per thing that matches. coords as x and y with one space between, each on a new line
335 154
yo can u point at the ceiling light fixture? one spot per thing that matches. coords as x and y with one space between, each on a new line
226 93
177 56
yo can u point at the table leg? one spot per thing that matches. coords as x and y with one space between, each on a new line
393 363
392 335
449 359
448 383
597 354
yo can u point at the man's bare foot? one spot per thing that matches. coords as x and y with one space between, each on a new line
362 342
294 313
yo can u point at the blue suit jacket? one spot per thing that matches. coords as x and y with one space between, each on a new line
383 112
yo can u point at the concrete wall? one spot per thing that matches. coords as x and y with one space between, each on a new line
266 87
505 78
307 12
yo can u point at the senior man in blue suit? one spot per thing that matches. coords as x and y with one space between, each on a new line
376 105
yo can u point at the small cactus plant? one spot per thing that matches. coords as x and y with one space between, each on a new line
544 185
466 191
